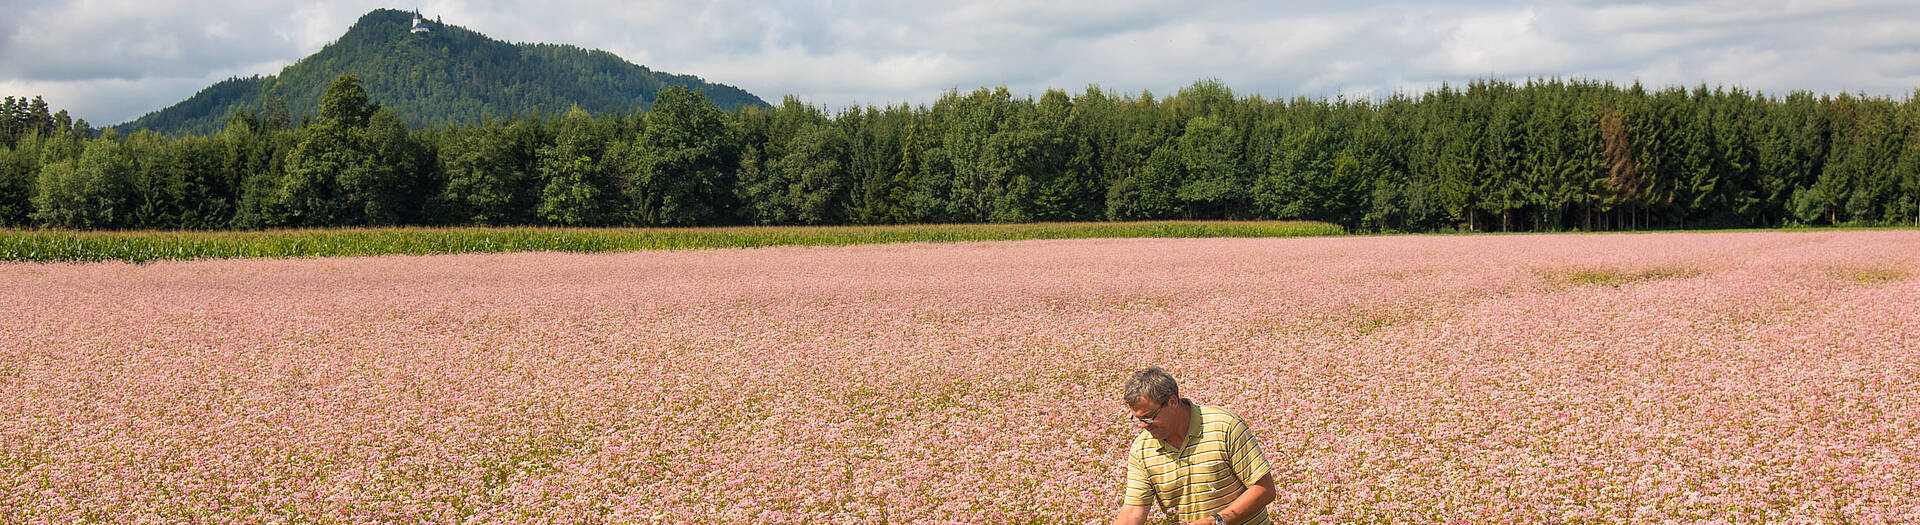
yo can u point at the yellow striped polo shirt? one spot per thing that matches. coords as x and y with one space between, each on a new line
1220 460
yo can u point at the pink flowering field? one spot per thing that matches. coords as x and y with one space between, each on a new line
1763 377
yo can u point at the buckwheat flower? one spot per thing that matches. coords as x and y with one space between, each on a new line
1696 377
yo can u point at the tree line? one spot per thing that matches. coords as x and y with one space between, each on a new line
1490 156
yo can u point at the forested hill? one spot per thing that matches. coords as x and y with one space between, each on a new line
447 74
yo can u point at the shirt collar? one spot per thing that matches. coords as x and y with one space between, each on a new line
1193 421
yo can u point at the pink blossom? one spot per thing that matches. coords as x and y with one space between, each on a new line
1629 378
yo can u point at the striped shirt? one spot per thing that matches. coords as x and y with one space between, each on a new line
1218 462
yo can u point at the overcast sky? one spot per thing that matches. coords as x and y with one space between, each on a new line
109 61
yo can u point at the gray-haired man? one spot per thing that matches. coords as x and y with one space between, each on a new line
1199 463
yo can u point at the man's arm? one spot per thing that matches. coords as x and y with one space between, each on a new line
1137 494
1257 497
1131 515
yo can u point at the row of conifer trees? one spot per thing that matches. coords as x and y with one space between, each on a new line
1494 155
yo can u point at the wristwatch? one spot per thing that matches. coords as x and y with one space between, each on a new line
1217 520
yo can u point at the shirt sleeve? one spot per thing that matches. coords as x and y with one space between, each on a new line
1139 490
1248 461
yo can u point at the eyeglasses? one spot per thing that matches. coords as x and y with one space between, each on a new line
1155 416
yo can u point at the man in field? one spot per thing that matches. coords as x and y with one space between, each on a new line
1199 463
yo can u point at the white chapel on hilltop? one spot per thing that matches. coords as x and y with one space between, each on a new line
419 23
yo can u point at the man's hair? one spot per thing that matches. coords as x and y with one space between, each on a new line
1152 384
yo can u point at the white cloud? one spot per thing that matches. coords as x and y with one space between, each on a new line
1503 43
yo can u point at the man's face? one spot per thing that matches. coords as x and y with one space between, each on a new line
1155 418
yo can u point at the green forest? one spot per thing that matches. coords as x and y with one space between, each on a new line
1492 155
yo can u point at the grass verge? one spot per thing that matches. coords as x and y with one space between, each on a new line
1868 275
1615 277
145 246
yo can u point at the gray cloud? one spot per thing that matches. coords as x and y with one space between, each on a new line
111 61
93 41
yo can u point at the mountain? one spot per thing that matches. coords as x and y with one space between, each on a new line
445 74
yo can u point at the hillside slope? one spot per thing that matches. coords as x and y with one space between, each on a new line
448 74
